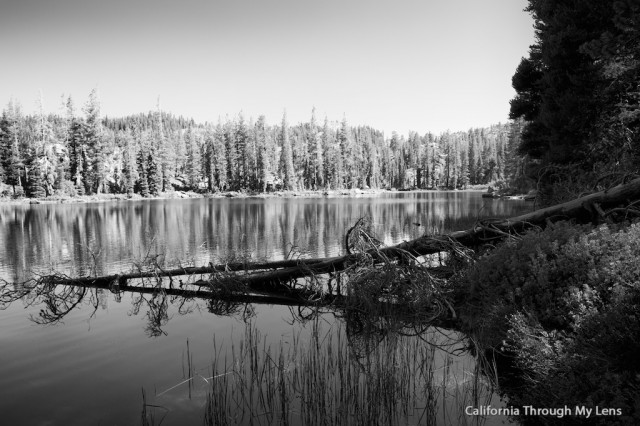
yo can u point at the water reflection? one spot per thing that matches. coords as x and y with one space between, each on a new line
85 350
362 311
340 365
86 239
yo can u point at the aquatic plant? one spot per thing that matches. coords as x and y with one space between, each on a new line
325 381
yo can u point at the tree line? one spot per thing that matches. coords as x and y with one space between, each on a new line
73 153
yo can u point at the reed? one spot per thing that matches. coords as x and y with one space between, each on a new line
148 417
327 380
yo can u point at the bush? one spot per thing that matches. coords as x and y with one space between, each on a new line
67 188
564 302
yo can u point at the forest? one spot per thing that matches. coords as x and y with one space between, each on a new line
71 153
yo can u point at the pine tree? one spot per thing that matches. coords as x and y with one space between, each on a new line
231 155
397 169
12 156
162 174
129 166
489 156
76 154
265 172
347 168
463 179
370 156
193 159
143 182
142 141
208 159
471 158
62 128
94 160
515 164
251 154
286 159
333 170
414 147
449 166
479 141
435 156
154 176
241 136
46 150
5 145
300 152
559 86
220 158
69 110
501 143
316 156
35 186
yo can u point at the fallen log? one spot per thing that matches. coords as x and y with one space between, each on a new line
275 276
590 208
159 272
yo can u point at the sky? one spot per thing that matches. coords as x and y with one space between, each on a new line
395 65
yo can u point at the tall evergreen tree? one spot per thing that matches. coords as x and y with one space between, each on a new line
251 158
414 148
12 154
241 137
154 174
208 159
143 181
316 155
129 166
435 156
77 154
347 162
93 154
286 159
231 155
472 155
220 158
143 141
563 87
265 148
333 170
193 159
162 173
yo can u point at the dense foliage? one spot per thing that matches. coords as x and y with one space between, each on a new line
579 90
70 154
564 303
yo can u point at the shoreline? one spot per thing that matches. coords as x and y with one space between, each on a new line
184 195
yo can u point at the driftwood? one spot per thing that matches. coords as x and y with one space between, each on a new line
275 277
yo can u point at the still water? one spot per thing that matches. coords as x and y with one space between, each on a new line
90 365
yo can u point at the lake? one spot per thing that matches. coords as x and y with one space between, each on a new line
86 357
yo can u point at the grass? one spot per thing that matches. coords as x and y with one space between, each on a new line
334 378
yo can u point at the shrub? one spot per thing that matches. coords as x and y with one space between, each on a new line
564 302
67 188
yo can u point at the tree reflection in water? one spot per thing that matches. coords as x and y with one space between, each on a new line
55 301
